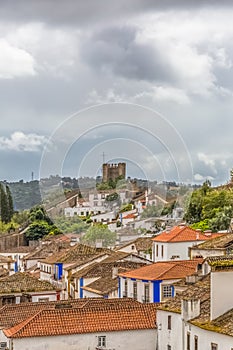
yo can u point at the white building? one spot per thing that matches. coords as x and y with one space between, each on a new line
94 326
174 244
201 316
155 283
221 245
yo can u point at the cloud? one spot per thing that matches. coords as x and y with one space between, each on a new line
201 178
206 159
116 50
89 12
21 142
15 62
165 93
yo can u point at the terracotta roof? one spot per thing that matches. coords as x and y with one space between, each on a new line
20 249
79 252
107 318
220 242
105 269
12 314
223 324
6 259
220 262
23 282
164 270
47 249
199 290
184 234
102 286
141 243
130 216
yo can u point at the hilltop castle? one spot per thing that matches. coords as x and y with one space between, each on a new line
113 171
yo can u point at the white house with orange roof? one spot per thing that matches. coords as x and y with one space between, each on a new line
94 326
174 244
154 283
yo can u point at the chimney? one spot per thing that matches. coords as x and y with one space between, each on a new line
99 243
114 272
208 233
190 309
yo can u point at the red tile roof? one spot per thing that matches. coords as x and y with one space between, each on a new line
184 234
164 270
130 216
86 320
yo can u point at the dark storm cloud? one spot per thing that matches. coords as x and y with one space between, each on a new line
115 49
73 12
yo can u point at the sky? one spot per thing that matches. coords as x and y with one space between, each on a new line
146 82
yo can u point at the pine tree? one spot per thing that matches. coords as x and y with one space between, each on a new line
4 205
10 203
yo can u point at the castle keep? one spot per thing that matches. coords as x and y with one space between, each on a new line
113 171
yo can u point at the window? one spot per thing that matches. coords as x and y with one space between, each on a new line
169 322
167 291
126 289
214 346
157 250
162 251
135 290
188 341
146 293
195 342
102 341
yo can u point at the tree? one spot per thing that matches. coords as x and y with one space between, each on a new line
9 203
222 219
151 211
97 232
38 230
39 213
4 205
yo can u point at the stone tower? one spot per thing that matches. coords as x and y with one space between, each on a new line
113 171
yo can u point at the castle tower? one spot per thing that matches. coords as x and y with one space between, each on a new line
113 171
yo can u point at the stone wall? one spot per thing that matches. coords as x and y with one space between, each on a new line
11 240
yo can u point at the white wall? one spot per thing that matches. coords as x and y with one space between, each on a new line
105 217
221 289
130 340
52 296
177 336
171 337
83 211
205 253
180 249
205 338
140 289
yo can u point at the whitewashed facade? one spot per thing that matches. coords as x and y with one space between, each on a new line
130 340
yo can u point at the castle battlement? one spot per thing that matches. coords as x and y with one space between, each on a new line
112 171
